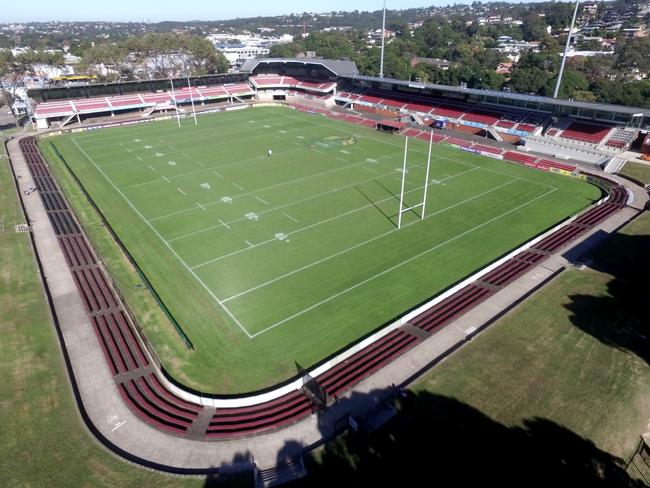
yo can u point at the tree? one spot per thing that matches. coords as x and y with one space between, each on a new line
331 45
632 55
572 81
559 14
202 57
14 68
285 50
156 55
486 80
111 57
533 28
529 80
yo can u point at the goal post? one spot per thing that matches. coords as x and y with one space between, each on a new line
426 184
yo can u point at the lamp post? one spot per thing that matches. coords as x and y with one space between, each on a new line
566 49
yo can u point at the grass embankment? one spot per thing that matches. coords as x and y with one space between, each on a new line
637 171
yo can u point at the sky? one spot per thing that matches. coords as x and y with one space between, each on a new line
159 10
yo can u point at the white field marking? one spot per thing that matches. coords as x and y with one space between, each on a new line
187 156
151 167
194 143
341 159
300 137
338 216
181 191
201 206
224 224
290 217
171 163
207 128
370 169
303 200
238 187
126 161
259 190
139 158
200 164
392 268
190 173
128 150
262 200
166 179
217 174
379 139
249 244
159 155
361 244
171 249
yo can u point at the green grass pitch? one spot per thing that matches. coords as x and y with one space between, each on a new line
268 261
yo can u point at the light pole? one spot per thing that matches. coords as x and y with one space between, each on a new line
566 49
383 35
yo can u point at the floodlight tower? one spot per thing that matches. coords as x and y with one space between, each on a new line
566 49
383 36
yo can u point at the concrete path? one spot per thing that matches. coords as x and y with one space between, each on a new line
118 428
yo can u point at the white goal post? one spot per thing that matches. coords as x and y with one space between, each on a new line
426 184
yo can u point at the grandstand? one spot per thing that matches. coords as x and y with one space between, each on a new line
586 132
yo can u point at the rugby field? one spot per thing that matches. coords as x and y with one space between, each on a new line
268 261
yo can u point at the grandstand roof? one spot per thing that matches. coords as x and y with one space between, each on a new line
602 107
336 66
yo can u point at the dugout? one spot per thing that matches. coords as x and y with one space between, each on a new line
392 126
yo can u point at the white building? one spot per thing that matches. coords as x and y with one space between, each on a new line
236 54
237 48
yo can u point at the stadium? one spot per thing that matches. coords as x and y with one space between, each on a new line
299 233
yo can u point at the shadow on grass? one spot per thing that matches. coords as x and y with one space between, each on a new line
436 440
622 318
